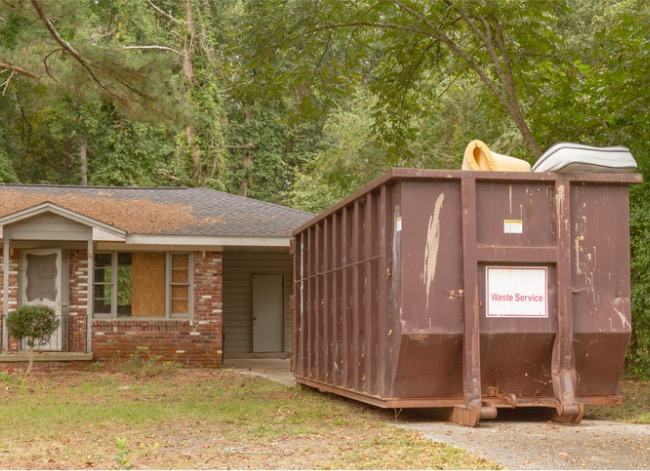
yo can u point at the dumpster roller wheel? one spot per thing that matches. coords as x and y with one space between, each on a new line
572 414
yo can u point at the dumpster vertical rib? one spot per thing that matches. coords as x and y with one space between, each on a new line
355 296
336 301
363 335
563 372
382 279
318 305
368 296
325 347
345 285
296 340
471 342
312 302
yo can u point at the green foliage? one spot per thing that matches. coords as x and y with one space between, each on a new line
7 174
35 324
635 407
142 364
123 451
347 158
10 381
639 350
132 154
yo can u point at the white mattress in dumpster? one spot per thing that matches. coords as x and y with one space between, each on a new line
566 157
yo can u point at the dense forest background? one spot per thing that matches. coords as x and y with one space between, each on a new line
300 102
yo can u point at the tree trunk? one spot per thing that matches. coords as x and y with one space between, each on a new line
188 70
243 184
31 359
83 160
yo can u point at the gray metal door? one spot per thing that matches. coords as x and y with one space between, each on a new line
268 315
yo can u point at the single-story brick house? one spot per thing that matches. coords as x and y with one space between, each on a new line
193 274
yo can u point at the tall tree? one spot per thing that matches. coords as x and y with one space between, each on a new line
69 50
404 47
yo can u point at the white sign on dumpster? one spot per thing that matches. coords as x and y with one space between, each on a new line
516 292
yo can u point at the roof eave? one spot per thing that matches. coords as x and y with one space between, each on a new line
187 242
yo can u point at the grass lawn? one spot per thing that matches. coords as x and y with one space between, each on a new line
635 407
199 419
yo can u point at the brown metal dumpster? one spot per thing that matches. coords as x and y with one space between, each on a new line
467 290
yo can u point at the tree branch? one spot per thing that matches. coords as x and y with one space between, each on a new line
163 13
160 48
439 34
68 47
6 82
47 67
506 93
18 70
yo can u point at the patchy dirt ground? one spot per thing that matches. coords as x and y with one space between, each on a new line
518 439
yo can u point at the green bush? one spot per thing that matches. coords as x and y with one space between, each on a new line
34 324
638 356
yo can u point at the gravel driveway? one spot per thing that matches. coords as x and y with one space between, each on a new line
540 444
517 439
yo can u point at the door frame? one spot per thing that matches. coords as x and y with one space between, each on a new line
282 319
57 340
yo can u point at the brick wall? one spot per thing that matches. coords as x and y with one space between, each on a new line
13 286
195 342
77 301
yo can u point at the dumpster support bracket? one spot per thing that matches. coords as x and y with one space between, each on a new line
471 412
563 370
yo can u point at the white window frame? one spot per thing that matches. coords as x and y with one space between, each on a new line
190 285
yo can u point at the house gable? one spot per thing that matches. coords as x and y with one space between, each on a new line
48 221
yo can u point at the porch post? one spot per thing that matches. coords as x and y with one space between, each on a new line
5 290
89 296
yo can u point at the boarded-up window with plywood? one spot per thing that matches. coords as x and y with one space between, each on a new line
142 284
179 281
148 284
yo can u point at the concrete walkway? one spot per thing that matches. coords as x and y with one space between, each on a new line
275 369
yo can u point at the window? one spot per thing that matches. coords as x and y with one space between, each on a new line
142 284
179 285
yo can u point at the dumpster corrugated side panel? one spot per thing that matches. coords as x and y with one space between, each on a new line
345 321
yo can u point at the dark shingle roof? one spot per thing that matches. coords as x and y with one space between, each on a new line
178 211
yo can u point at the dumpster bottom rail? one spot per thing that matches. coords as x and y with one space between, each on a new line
468 416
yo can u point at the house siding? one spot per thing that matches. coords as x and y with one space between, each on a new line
239 268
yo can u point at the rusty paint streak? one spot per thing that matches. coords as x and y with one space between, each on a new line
560 200
431 249
510 198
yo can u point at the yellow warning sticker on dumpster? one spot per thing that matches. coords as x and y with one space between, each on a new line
513 226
